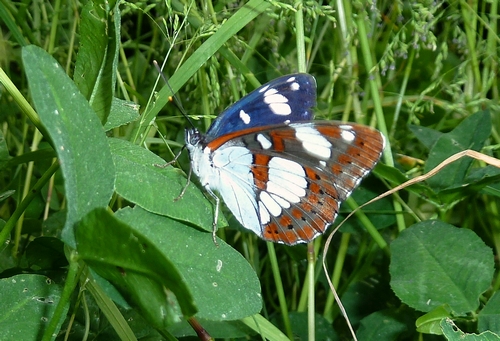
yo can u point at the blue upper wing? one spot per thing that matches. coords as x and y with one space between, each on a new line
285 99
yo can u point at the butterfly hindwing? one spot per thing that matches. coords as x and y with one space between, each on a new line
286 99
286 182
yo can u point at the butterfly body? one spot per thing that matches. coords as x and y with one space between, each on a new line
282 175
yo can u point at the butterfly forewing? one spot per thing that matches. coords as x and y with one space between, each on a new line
286 99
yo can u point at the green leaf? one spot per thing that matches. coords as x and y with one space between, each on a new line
489 317
135 266
264 328
384 325
474 182
434 263
452 333
363 298
396 177
122 112
27 304
45 253
77 136
223 284
470 134
97 59
156 189
427 136
430 323
493 189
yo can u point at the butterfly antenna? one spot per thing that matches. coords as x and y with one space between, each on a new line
176 100
178 103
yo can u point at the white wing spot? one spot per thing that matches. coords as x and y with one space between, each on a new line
271 205
291 193
264 88
286 180
282 202
322 163
282 109
274 98
345 126
264 141
313 142
291 79
295 86
264 214
277 102
347 136
270 92
244 117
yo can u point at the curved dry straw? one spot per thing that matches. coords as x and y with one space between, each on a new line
470 153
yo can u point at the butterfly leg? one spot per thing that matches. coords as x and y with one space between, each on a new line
216 213
187 183
174 160
188 177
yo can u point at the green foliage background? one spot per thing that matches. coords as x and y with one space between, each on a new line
95 245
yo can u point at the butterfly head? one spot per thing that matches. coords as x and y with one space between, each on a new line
192 137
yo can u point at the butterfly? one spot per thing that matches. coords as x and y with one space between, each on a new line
281 174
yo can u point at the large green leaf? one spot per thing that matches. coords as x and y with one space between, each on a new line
223 284
434 263
77 136
156 189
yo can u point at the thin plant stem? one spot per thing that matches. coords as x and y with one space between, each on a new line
279 289
311 309
69 287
